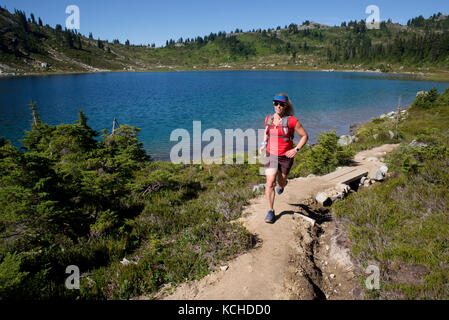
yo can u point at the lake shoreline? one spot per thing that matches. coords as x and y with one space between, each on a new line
253 153
326 101
412 75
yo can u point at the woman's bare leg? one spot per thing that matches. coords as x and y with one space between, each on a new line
282 179
269 190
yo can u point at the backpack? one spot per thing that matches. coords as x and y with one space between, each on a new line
286 132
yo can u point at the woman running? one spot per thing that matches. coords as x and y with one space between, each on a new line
279 133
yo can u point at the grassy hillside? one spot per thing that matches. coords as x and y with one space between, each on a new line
421 46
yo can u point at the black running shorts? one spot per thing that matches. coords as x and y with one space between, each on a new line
284 164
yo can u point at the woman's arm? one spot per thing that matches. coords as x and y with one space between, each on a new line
304 137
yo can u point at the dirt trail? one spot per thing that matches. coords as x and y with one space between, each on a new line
301 256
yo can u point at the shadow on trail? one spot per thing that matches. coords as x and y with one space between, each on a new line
320 215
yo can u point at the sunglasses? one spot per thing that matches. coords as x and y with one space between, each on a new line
282 104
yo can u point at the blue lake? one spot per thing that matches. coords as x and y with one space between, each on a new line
159 103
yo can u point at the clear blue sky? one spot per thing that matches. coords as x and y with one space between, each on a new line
148 21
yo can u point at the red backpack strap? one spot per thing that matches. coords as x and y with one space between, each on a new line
269 120
286 130
292 129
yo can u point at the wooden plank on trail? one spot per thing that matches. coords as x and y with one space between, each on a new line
347 175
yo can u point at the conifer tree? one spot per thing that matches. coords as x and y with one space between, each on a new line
22 20
69 39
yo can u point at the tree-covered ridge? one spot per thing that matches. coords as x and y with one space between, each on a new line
409 46
68 198
28 45
437 21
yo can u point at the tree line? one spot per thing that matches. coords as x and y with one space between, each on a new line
404 47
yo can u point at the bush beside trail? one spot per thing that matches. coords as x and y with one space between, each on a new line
323 157
71 199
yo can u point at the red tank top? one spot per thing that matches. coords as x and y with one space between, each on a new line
282 145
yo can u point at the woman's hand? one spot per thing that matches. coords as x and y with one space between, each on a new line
291 153
261 149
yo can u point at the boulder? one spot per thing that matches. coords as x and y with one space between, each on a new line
323 199
331 192
343 188
384 170
258 188
337 197
421 93
377 175
126 262
345 140
416 144
354 127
